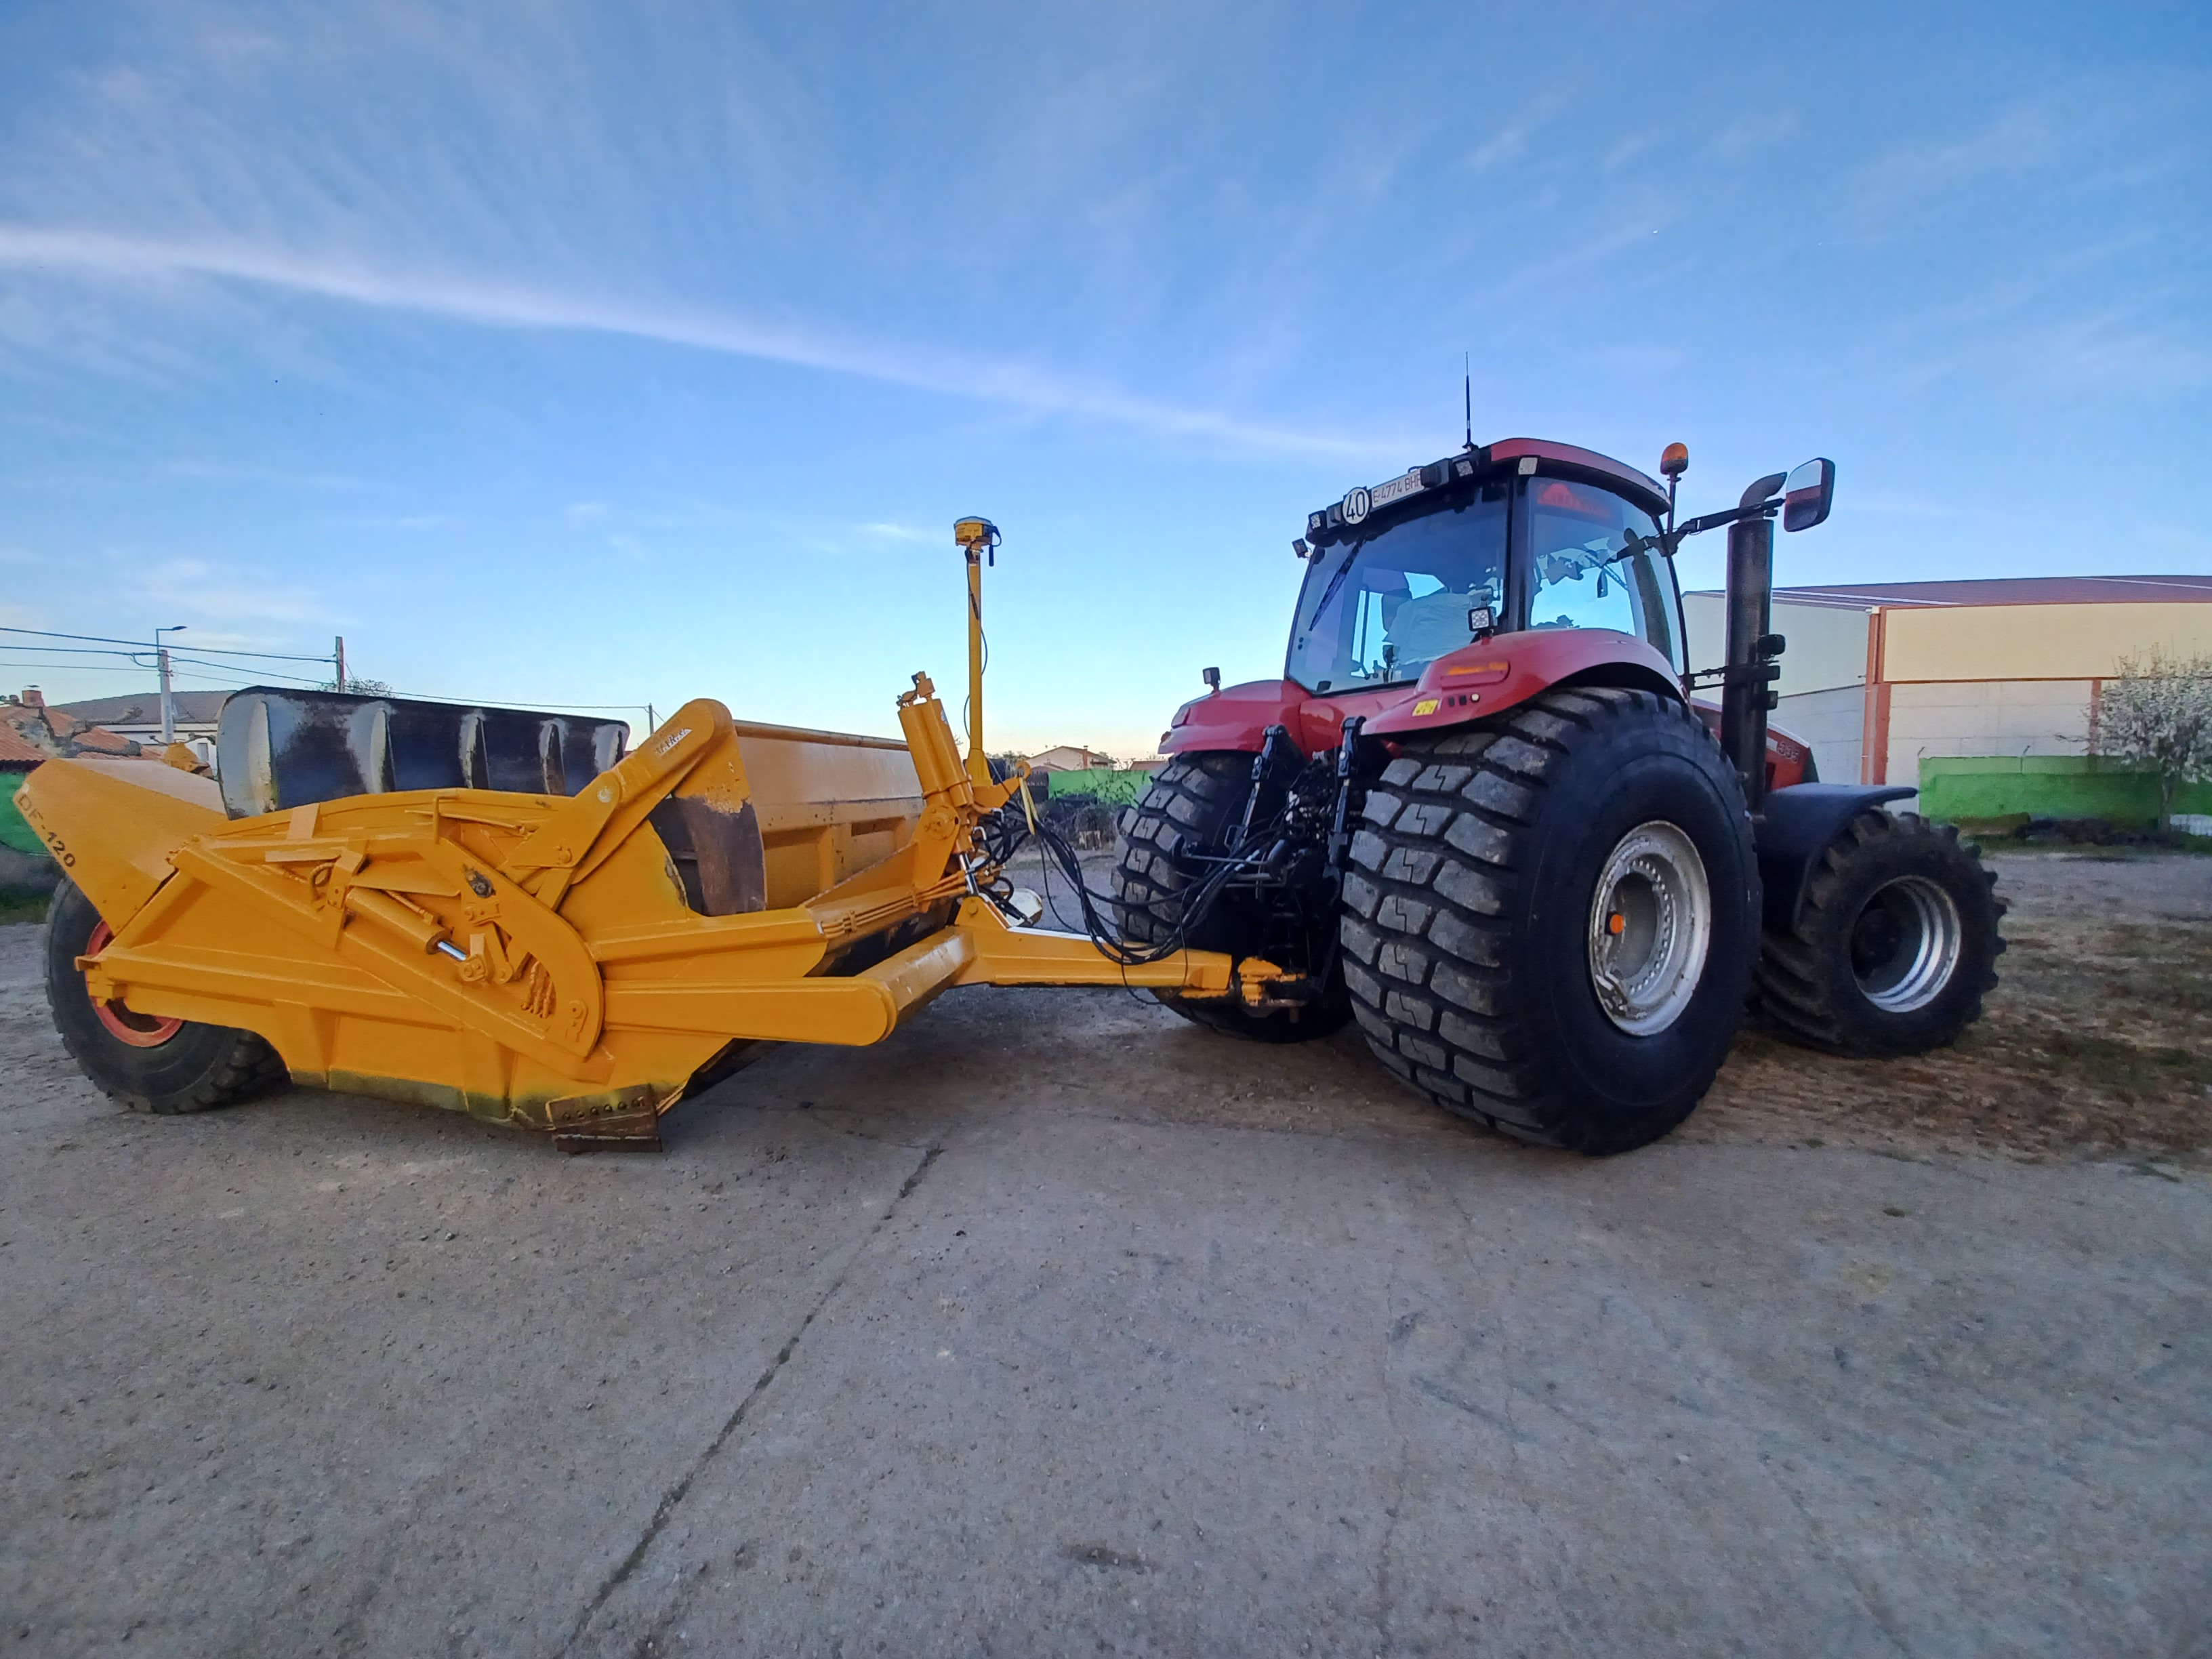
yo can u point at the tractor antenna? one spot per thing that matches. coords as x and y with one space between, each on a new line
1467 383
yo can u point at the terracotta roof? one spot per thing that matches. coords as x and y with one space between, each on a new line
48 732
2005 590
14 751
100 740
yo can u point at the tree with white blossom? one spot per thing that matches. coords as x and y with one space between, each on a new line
2157 715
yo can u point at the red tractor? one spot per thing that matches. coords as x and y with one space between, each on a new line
1482 814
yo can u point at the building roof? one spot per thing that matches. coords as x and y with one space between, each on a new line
2004 590
14 751
46 732
1066 757
144 708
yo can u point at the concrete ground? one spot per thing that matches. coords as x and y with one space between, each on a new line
1055 1325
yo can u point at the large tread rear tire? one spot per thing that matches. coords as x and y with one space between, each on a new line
196 1067
1196 799
1823 984
1466 936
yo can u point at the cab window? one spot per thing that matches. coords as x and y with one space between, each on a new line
1580 575
1379 610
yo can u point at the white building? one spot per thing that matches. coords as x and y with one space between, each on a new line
1882 678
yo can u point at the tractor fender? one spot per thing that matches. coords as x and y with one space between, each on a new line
1237 718
1493 675
1795 828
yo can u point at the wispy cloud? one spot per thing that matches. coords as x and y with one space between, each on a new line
1509 142
489 302
199 588
197 471
2017 141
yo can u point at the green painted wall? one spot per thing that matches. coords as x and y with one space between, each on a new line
2046 786
1115 788
14 832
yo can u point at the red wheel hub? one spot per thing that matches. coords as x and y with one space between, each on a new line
139 1030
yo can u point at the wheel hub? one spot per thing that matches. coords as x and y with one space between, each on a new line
139 1030
1650 926
1905 943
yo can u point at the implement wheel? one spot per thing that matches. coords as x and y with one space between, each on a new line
1553 918
1895 944
147 1064
1198 800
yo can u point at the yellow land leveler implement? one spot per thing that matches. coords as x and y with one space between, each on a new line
411 899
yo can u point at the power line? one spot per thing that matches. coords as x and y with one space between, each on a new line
143 645
83 651
97 638
226 668
182 663
496 702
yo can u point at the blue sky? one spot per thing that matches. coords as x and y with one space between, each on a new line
631 352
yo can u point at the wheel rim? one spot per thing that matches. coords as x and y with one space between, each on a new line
1905 943
139 1030
1650 926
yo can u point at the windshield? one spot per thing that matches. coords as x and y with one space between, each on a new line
1380 609
1584 574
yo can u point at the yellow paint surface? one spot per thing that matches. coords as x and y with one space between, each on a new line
2037 641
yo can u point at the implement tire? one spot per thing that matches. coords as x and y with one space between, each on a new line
1196 800
1895 946
145 1064
1482 966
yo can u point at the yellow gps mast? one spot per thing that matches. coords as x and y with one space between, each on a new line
978 539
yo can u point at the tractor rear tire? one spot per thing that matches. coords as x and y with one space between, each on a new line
1483 966
1196 800
146 1065
1895 946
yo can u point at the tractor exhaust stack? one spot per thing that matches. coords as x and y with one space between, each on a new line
1747 693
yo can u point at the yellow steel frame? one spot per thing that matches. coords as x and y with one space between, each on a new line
534 959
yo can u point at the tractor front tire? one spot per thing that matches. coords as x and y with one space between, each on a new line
1895 945
1552 916
1196 800
145 1064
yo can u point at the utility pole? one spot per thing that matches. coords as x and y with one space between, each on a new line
168 685
341 662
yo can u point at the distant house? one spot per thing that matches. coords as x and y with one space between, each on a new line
1069 757
49 733
139 717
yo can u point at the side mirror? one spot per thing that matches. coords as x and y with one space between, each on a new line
1808 494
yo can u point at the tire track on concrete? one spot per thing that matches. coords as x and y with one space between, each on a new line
672 1499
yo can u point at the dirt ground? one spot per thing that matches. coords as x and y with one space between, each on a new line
2097 1042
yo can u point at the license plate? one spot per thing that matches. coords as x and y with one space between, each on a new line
1398 488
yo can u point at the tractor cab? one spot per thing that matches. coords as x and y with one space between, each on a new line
1516 537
